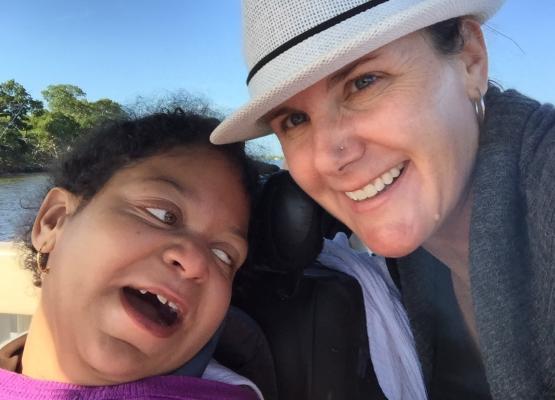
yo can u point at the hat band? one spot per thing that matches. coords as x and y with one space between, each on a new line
311 32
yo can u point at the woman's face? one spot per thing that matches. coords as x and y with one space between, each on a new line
387 144
140 278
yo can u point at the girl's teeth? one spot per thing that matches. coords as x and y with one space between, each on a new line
377 186
162 299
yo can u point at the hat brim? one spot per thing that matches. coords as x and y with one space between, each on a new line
326 52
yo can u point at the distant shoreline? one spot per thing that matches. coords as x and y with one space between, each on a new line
13 173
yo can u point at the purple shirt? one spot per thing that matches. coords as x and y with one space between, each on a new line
14 386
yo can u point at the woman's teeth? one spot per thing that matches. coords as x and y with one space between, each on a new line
379 184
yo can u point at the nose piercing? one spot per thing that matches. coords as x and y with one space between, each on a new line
341 148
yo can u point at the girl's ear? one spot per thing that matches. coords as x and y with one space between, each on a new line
475 58
49 222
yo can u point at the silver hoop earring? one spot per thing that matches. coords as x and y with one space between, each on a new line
480 109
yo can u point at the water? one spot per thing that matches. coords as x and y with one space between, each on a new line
18 192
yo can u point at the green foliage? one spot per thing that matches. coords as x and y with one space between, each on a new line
50 133
71 101
16 104
30 135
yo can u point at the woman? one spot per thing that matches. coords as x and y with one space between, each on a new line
135 249
379 108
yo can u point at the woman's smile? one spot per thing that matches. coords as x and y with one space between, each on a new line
378 185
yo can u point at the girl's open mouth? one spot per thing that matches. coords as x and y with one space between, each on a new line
153 311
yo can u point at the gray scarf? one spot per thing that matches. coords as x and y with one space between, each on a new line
512 258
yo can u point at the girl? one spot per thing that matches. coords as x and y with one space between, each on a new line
135 249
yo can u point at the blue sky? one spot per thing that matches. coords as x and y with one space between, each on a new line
121 49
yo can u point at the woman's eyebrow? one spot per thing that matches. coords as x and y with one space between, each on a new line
339 75
271 115
332 80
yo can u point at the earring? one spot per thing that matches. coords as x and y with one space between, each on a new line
42 260
480 108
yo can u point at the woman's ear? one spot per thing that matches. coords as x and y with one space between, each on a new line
49 222
475 58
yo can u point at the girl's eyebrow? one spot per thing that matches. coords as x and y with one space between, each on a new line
168 180
235 231
239 233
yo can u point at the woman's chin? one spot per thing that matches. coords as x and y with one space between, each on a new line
392 244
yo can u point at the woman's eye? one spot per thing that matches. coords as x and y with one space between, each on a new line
222 255
167 217
364 81
294 119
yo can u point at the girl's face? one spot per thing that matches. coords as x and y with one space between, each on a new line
387 144
140 278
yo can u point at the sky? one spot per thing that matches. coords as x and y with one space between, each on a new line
122 49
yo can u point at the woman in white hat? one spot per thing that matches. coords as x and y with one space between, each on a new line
379 108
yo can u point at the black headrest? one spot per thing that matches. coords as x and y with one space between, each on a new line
289 227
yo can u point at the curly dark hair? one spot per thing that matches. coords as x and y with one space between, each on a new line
113 145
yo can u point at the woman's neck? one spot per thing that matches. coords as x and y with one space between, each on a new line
451 245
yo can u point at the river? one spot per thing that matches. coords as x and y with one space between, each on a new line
17 194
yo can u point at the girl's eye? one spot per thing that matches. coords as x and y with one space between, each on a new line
167 217
364 81
222 255
294 119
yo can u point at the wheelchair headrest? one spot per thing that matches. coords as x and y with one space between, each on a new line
289 227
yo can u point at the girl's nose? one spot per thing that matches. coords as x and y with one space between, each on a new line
189 258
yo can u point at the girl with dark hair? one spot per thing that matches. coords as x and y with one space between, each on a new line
135 249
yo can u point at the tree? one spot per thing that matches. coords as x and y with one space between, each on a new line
105 109
30 135
52 131
71 100
16 105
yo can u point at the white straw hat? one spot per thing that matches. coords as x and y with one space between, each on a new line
291 44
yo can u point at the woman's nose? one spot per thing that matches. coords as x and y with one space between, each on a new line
189 258
336 147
